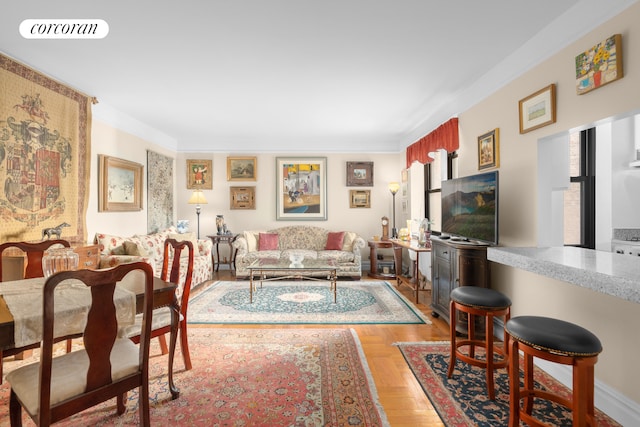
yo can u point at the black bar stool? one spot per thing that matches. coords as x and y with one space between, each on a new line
556 341
484 302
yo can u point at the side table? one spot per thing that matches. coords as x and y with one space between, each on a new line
223 238
376 262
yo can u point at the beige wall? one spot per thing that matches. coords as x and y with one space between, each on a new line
612 319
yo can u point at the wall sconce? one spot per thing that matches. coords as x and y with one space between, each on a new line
393 188
197 198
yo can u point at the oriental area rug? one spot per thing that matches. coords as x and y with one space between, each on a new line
462 400
251 377
303 302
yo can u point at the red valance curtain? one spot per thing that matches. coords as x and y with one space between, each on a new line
445 136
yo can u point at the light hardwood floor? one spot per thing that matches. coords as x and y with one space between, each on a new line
401 396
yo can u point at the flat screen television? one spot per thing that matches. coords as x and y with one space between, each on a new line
470 208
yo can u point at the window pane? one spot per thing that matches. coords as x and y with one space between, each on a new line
435 211
574 154
436 171
572 219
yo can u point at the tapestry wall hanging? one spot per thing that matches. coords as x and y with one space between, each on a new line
45 130
159 192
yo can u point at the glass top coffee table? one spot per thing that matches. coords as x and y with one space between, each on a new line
308 269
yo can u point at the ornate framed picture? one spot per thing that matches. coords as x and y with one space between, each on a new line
538 109
359 174
242 197
119 185
489 150
359 198
199 174
241 168
301 184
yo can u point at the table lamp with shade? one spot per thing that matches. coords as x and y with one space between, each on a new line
197 198
394 187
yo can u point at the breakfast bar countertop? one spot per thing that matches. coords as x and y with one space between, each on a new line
605 272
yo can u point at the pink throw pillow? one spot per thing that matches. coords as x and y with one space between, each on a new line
268 241
335 241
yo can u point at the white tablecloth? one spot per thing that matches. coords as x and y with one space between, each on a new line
72 302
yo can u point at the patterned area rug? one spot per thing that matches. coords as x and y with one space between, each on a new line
462 400
252 377
303 302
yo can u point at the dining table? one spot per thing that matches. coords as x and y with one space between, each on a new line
21 311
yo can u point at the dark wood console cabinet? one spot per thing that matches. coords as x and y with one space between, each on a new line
456 263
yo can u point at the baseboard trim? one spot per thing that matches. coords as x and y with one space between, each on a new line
610 401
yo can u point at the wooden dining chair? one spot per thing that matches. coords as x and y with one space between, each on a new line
34 253
174 252
108 366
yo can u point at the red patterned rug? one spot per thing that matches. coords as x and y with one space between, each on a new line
252 377
462 400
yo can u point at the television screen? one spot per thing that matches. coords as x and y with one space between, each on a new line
470 207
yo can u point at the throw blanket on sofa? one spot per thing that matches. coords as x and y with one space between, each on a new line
309 241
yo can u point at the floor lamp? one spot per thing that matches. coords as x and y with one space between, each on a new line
197 198
394 187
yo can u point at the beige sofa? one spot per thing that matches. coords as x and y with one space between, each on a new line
309 241
116 250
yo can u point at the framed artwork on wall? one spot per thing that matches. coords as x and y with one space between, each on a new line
359 174
489 150
242 197
241 168
119 185
538 109
359 198
599 65
301 184
199 174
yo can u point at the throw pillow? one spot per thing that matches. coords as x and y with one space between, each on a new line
252 240
349 238
191 237
334 241
132 248
268 241
119 250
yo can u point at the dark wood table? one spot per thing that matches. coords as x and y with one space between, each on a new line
163 296
223 238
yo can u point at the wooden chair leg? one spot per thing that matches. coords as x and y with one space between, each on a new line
120 403
69 343
163 344
184 345
514 384
15 411
452 336
489 348
528 382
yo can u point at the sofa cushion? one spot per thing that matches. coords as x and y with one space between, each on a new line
306 253
349 238
132 248
334 241
268 242
252 240
338 256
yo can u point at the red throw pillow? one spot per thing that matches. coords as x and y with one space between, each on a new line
268 241
335 241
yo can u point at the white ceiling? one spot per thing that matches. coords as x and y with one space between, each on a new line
298 75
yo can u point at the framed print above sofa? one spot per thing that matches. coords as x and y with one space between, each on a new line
301 184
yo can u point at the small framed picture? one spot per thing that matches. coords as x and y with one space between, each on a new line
199 174
538 109
359 198
359 174
120 185
241 168
489 150
599 65
242 197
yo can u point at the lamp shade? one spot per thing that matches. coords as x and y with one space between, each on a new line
197 198
394 187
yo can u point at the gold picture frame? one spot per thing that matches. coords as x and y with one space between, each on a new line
199 174
489 150
119 185
242 168
242 197
599 65
359 198
538 109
